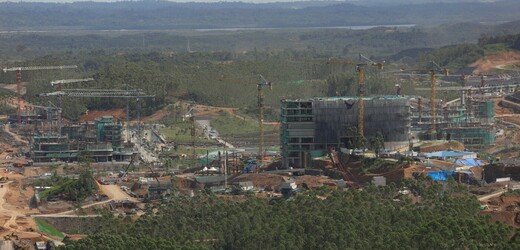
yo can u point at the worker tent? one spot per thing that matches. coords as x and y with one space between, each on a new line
440 175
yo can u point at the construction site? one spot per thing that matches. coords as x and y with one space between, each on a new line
333 142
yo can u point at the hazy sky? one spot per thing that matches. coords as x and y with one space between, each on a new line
257 1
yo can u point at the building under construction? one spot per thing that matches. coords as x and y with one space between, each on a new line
101 140
310 126
469 121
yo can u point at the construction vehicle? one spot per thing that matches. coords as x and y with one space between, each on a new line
122 174
18 71
337 164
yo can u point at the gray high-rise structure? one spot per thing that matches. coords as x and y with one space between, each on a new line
309 126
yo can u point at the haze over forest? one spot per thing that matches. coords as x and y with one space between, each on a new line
171 15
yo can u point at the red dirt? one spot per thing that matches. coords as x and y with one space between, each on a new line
496 61
92 115
269 181
312 181
157 116
432 147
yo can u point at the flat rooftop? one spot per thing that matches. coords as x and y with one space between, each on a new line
335 98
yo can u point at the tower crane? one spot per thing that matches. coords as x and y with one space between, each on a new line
260 86
263 83
433 81
18 71
58 97
360 69
103 93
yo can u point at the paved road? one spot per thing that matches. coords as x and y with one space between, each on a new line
206 124
142 147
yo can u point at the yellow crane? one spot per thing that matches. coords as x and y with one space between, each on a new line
361 85
263 83
433 82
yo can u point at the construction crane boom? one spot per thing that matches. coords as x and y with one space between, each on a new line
103 93
58 97
18 71
433 82
260 102
98 93
372 63
40 68
70 81
361 86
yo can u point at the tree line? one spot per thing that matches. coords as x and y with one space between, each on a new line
437 216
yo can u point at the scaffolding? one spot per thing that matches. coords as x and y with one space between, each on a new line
101 140
310 126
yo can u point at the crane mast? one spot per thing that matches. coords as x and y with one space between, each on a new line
361 104
18 71
261 85
58 97
360 69
433 91
432 101
102 93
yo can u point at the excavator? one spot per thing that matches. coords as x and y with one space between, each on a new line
122 174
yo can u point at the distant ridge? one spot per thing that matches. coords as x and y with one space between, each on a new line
170 15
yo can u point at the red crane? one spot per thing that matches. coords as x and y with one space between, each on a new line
18 71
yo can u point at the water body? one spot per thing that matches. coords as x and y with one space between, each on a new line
355 27
358 27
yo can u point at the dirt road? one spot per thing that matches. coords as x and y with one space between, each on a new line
15 136
114 192
10 224
492 195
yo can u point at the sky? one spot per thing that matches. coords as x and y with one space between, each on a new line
256 1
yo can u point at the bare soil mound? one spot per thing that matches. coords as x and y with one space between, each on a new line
268 181
496 61
92 115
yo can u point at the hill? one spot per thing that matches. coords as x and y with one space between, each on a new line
160 15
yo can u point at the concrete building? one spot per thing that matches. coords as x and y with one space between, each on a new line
310 126
102 140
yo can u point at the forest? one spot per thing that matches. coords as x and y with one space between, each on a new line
436 216
216 79
228 78
379 42
161 15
